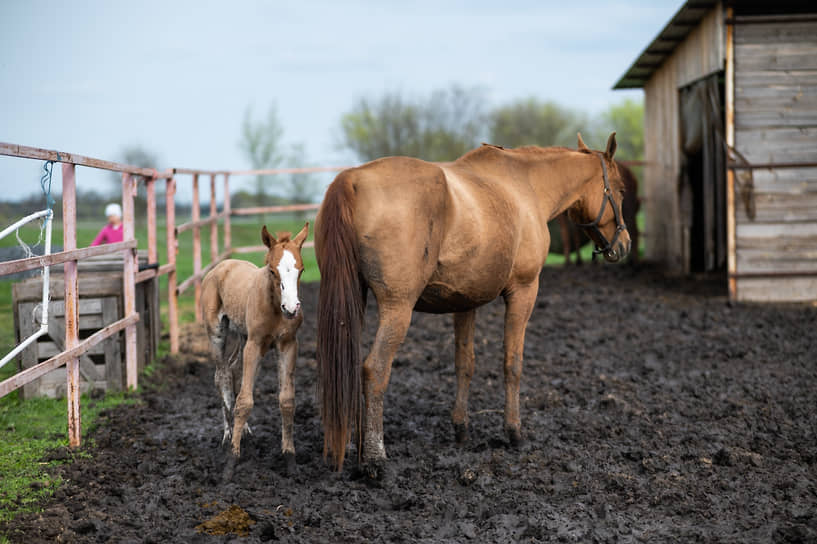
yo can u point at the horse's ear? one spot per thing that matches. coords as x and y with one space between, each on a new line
268 239
582 146
300 238
611 146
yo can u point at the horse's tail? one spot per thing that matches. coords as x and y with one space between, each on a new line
340 319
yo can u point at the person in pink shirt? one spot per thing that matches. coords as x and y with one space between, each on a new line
112 232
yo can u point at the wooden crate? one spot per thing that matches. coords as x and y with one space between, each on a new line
100 304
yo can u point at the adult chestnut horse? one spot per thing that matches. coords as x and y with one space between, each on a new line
443 238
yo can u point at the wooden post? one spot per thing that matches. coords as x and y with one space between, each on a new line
69 241
129 279
729 91
153 250
228 241
196 247
214 224
172 297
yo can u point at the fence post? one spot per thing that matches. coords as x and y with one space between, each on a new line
228 242
172 296
69 241
128 279
196 247
153 250
214 224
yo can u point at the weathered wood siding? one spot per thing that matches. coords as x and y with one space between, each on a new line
776 122
700 54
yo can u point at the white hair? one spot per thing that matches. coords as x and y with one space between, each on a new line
113 209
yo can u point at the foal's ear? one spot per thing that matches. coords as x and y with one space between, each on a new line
268 239
611 146
300 238
582 146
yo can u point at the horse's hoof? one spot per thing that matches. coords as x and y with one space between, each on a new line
461 433
229 468
514 438
289 462
375 470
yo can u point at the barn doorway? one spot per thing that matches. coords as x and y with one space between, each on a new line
702 183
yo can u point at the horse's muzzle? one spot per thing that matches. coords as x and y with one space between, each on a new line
291 314
614 255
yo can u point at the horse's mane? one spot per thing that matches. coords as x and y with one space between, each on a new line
486 151
283 236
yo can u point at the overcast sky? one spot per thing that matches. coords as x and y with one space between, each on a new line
175 77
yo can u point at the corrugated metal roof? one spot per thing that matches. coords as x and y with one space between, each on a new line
679 27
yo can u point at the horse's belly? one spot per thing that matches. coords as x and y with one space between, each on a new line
442 298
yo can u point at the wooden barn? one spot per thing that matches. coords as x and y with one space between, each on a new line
730 181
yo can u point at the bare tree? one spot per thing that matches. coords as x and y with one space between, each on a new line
261 143
440 127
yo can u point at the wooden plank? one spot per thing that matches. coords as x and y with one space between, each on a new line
778 57
113 361
777 290
772 33
772 145
47 349
774 259
785 180
14 150
86 306
778 231
28 375
780 208
787 78
90 285
21 265
57 333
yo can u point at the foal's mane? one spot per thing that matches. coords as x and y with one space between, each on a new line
283 236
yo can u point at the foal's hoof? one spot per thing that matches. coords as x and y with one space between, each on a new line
514 437
461 433
289 462
229 468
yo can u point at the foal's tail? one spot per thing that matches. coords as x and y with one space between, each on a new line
340 318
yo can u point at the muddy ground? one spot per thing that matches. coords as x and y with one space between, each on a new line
653 411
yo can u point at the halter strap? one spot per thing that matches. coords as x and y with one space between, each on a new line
620 226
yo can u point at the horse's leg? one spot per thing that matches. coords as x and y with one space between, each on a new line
287 353
253 350
519 303
391 330
464 363
223 375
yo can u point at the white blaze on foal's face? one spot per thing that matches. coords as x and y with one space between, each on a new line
288 272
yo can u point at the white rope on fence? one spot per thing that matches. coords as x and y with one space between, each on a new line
49 215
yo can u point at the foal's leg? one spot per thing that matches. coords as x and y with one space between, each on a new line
253 350
223 376
391 330
464 364
287 353
519 302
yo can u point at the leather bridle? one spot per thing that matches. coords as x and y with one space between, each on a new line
620 226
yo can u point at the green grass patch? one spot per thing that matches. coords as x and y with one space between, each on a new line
28 431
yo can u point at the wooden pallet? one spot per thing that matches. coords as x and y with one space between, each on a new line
100 303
